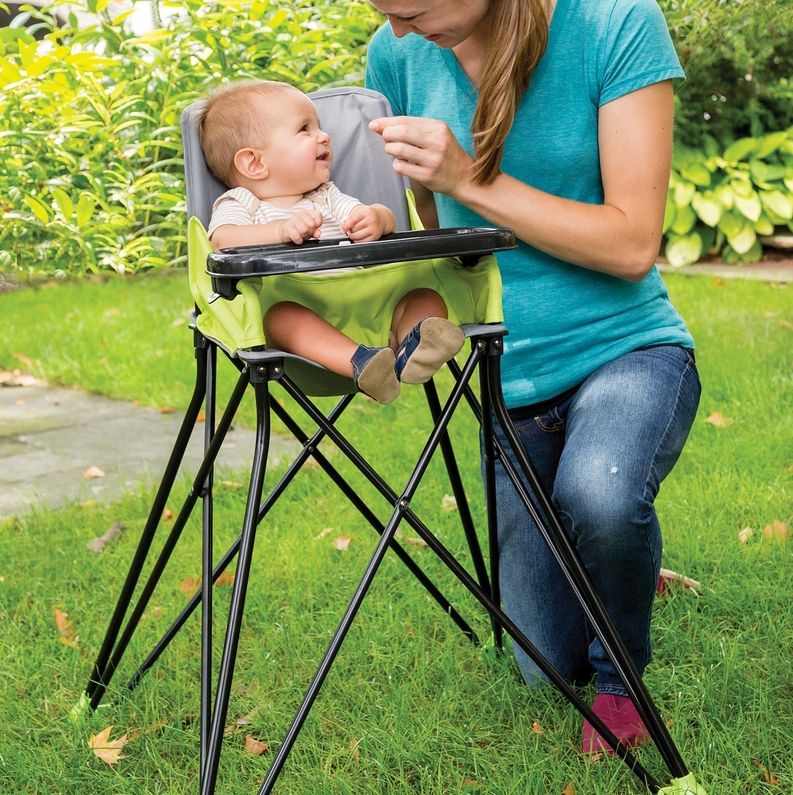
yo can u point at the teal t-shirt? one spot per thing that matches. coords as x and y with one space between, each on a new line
564 321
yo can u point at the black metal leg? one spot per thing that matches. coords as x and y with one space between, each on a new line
206 565
226 672
552 531
488 451
458 489
171 540
97 681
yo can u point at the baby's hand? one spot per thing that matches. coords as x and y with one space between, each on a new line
300 226
363 224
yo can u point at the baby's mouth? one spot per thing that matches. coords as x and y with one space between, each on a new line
324 157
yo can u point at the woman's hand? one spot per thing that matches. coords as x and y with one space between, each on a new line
425 150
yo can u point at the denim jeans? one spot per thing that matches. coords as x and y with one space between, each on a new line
601 454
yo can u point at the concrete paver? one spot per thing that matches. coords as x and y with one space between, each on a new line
49 437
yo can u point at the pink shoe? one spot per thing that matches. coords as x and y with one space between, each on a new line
620 715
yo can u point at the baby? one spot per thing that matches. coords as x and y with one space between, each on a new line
263 140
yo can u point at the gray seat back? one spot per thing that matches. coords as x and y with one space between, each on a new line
361 168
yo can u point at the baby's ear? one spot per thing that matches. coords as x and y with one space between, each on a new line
250 164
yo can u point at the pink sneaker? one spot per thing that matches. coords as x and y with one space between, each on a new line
620 715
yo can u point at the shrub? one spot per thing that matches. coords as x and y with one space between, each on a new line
722 201
90 149
738 57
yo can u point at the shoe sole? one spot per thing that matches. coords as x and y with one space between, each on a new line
378 379
440 341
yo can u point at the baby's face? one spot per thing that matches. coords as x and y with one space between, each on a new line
298 152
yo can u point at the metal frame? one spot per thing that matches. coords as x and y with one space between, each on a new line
258 369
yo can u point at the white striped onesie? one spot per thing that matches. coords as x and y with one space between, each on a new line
240 207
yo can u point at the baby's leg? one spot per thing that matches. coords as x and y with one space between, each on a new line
295 329
427 340
412 308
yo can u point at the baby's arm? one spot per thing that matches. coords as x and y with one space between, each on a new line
295 229
368 222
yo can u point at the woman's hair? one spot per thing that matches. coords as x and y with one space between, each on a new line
232 119
517 40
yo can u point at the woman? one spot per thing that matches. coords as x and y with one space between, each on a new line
555 119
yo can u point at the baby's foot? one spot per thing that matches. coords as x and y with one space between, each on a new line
374 374
426 348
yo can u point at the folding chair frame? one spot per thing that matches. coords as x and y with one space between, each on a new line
258 369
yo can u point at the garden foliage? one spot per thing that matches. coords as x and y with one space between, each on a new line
90 152
725 201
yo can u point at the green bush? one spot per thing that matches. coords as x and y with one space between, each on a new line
723 202
738 57
90 150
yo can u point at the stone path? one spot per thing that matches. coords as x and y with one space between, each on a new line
51 436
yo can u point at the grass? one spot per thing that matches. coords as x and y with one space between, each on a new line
410 706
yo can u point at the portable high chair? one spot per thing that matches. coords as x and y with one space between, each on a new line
231 289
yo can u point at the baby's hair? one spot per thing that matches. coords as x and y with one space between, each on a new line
231 120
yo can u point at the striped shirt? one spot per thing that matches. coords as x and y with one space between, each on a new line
240 207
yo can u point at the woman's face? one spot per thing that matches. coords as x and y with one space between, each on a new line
446 23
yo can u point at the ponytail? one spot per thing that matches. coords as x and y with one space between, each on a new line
517 41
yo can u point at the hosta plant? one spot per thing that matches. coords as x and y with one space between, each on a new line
724 202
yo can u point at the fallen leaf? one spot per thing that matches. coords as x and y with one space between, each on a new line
356 755
225 578
745 534
201 417
416 541
470 782
109 751
167 515
65 628
778 531
322 533
785 324
190 585
93 472
569 789
166 410
537 728
254 746
342 543
718 420
768 775
16 377
96 545
448 503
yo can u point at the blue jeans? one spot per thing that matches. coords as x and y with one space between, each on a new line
601 454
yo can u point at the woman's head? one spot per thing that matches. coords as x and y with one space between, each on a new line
513 35
446 23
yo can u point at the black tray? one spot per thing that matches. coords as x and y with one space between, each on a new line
468 244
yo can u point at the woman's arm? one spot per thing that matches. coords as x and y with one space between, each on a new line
621 237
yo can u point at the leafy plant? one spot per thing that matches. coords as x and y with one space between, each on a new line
90 149
738 57
723 202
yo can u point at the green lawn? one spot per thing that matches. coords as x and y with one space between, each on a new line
410 706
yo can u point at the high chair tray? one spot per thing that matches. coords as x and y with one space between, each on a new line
467 244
